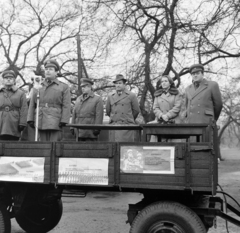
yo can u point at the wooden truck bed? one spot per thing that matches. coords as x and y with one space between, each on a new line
168 166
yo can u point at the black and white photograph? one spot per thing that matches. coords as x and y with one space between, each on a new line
120 116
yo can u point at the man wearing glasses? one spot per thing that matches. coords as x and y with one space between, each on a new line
13 108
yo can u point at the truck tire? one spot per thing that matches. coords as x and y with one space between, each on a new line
5 222
169 217
40 218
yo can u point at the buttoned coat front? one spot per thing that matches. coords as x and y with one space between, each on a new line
122 109
88 111
54 105
167 104
203 103
15 101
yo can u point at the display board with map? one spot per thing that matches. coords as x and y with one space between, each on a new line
25 169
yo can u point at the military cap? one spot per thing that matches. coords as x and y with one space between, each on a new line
86 81
196 67
52 63
119 77
8 73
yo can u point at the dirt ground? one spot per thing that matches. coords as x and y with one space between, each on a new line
103 212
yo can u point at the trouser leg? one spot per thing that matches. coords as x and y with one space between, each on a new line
49 135
55 136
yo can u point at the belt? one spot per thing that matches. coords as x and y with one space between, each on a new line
47 105
8 108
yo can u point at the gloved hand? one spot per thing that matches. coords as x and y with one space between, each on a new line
31 124
96 132
165 117
72 131
21 128
61 124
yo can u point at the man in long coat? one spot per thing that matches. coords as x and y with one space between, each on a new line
203 98
13 108
88 109
122 108
54 104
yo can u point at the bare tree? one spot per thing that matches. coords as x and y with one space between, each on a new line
231 111
33 31
168 36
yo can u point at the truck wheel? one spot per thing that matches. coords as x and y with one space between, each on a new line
40 218
5 222
171 217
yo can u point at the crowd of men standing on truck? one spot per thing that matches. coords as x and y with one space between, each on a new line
203 101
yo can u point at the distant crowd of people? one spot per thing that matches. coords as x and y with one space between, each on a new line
203 101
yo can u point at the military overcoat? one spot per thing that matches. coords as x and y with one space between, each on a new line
54 106
167 104
122 109
203 103
13 111
88 110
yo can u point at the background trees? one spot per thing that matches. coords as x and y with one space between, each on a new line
142 39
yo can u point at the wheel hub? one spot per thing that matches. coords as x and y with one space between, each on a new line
165 227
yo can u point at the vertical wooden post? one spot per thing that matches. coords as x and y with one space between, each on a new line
79 92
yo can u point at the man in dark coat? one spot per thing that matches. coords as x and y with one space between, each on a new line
203 98
88 109
54 104
13 108
122 108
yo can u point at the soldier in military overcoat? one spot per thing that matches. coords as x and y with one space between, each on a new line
88 109
122 107
13 108
54 104
203 98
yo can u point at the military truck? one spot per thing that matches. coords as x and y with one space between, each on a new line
178 177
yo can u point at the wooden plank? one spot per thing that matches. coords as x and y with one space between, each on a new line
81 146
27 152
203 188
111 179
177 131
47 173
197 181
164 180
52 162
166 187
200 172
87 153
201 155
200 164
195 164
153 179
155 186
47 160
193 172
47 166
22 145
84 146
